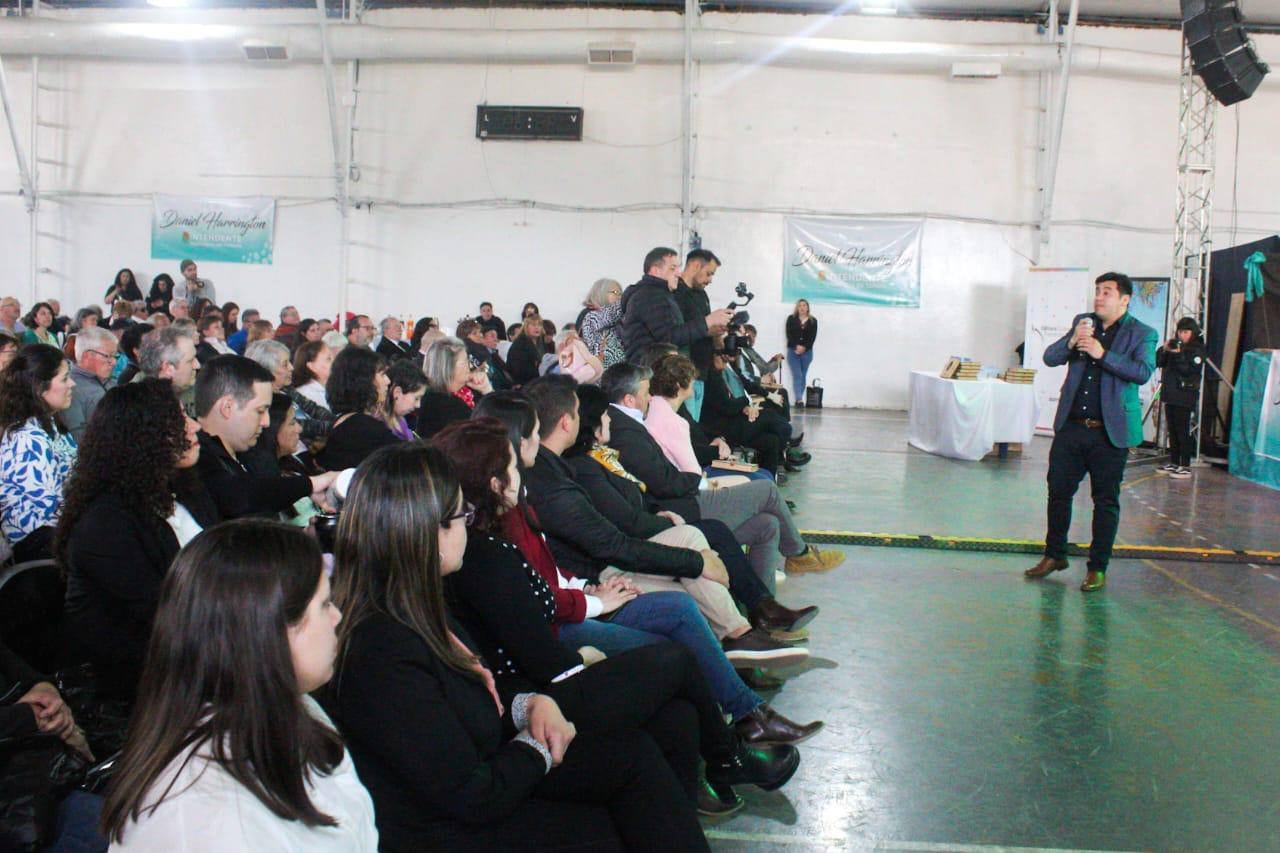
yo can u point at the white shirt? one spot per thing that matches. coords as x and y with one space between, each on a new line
184 524
635 414
314 392
207 810
219 346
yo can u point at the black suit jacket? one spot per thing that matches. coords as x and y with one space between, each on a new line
236 492
617 498
584 541
392 350
667 486
426 739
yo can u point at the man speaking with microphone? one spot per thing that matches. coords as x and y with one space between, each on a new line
1110 354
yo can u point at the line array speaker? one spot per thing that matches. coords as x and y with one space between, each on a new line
1222 53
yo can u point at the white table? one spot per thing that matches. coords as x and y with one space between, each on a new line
963 419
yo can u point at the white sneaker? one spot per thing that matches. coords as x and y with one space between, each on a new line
1167 468
1180 474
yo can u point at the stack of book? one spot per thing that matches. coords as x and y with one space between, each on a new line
1020 375
968 370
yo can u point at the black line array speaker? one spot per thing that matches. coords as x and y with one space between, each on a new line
1222 53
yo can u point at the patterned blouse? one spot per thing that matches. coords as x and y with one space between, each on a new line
601 332
33 467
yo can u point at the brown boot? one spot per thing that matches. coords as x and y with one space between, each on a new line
766 726
769 615
1046 567
1094 581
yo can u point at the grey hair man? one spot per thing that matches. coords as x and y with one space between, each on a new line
95 360
170 353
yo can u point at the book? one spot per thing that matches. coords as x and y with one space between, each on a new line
735 465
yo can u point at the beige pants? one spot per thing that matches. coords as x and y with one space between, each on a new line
713 599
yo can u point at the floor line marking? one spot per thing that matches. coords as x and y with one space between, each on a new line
1208 596
921 846
1132 483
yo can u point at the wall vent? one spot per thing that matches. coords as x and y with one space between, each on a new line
976 70
266 53
611 53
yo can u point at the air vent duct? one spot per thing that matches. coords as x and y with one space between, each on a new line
266 53
611 53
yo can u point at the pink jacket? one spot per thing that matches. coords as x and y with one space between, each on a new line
672 434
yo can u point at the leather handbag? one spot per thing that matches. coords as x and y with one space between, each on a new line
813 395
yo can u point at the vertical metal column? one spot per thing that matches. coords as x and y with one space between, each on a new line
1193 235
686 128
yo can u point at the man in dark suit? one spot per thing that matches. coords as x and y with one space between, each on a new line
1110 354
391 347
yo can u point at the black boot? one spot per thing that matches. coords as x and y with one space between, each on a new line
766 767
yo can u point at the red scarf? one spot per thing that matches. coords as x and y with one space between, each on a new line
465 395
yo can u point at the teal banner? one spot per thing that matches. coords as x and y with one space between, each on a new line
853 261
229 230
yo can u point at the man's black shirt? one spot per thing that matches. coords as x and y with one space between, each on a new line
1088 399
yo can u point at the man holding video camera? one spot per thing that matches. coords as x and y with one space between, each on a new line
651 314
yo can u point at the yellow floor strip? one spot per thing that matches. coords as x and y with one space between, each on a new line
1210 597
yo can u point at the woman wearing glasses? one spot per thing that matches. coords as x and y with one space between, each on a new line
454 759
601 326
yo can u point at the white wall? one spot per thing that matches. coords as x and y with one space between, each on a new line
447 220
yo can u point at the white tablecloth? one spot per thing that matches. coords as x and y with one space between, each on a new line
964 419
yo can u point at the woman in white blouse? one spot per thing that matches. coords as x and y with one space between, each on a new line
225 749
311 365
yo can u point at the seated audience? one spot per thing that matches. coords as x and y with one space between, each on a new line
209 330
226 751
230 320
132 501
453 758
161 293
489 320
453 385
309 330
357 394
727 410
233 395
316 420
38 709
159 320
392 346
472 336
170 353
38 323
179 309
287 332
683 443
574 359
8 349
239 339
525 356
754 511
36 450
124 286
277 453
131 345
360 331
95 361
600 326
425 331
312 362
505 552
404 396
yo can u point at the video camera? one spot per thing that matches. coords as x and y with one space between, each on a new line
734 338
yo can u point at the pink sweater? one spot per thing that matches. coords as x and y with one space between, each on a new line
672 434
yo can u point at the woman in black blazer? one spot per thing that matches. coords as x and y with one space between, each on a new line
131 503
453 760
525 356
357 393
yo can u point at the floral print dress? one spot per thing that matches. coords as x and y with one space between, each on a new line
33 468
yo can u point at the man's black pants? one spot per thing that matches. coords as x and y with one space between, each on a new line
1078 450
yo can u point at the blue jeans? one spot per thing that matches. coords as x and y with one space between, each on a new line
76 826
799 366
658 616
759 474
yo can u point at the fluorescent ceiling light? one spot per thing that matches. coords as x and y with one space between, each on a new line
174 32
879 7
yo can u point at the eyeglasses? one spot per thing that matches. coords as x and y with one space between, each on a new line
468 514
103 354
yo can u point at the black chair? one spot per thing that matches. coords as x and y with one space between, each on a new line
31 605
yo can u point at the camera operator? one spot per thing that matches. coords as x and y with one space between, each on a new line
1182 363
651 314
700 267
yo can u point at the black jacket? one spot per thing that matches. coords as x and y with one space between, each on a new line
584 541
507 608
524 358
667 487
16 678
236 492
437 411
616 498
351 442
426 739
117 558
695 304
650 314
1181 372
801 335
392 350
720 409
495 323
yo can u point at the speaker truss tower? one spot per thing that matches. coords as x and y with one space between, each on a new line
1193 235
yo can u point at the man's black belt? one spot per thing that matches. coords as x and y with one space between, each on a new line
1088 423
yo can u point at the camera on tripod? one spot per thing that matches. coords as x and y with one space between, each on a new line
734 338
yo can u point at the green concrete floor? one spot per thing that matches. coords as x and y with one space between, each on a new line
970 709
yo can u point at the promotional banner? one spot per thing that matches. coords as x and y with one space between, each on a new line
1150 304
853 261
230 230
